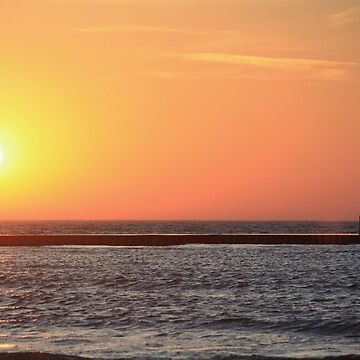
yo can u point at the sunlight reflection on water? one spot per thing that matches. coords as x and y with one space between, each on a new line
185 301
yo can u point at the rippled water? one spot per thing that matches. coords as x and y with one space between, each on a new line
181 302
178 227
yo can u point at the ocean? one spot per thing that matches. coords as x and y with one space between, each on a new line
180 302
178 227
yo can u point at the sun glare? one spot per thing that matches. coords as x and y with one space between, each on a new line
1 156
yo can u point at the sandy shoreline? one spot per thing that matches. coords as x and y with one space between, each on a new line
170 240
46 356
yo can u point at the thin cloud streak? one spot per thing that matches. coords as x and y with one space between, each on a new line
145 29
317 68
343 18
122 2
121 28
263 61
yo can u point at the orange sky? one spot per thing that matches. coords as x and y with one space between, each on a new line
179 109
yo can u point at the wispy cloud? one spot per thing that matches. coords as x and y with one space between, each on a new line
307 68
262 61
130 28
125 2
342 18
150 29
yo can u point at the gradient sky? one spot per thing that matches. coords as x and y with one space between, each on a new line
180 109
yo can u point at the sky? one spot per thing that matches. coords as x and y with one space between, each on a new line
180 109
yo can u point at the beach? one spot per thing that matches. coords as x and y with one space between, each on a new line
45 356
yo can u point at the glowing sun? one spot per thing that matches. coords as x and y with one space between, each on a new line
1 156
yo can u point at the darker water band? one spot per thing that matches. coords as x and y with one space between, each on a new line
172 240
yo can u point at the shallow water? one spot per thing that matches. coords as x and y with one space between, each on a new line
181 302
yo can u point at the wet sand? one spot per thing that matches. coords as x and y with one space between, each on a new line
36 356
171 240
45 356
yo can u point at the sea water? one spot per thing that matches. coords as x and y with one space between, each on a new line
178 227
181 302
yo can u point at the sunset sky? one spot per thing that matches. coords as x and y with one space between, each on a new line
180 109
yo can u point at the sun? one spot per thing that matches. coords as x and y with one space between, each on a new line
1 156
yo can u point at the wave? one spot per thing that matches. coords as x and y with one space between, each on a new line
334 327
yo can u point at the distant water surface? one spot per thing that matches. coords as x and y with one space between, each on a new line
178 227
181 302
